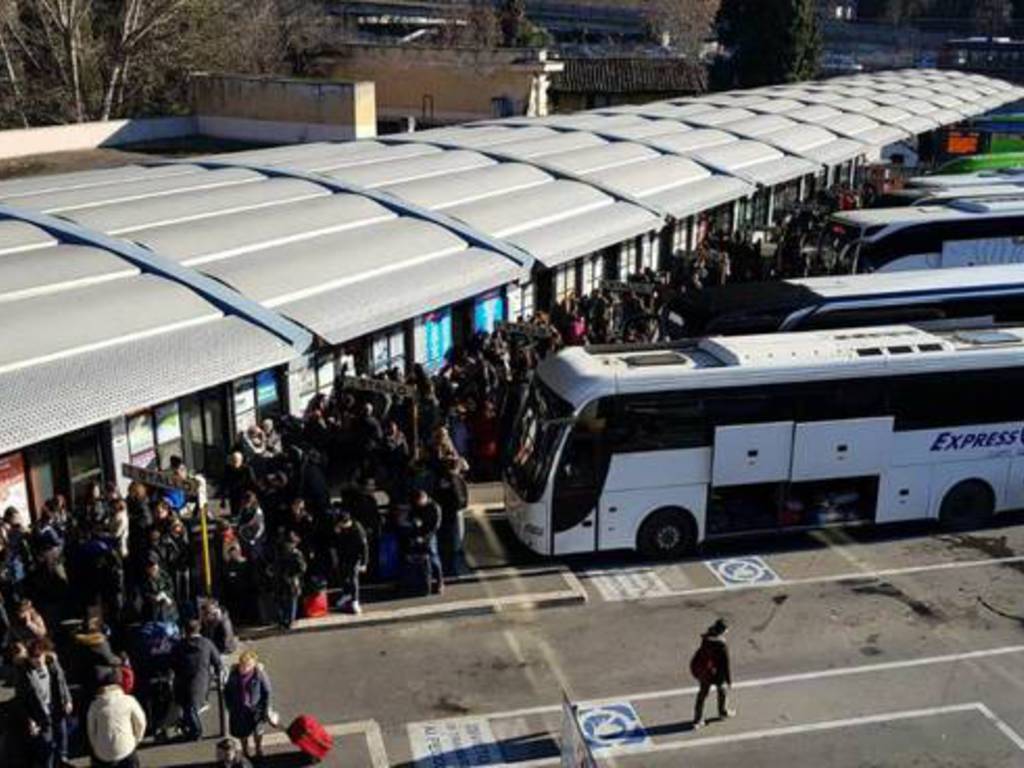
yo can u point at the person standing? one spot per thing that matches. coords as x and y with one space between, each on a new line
115 725
194 659
289 568
425 517
710 666
247 698
43 696
350 552
452 494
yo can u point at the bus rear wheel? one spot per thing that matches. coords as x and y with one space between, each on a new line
667 534
968 504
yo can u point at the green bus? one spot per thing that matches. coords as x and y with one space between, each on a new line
974 163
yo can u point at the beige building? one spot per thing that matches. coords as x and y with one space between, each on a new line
447 85
280 110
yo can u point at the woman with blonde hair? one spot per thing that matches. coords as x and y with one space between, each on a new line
247 698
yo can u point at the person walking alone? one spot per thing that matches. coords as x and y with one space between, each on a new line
710 666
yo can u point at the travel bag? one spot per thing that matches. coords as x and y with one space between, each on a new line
310 736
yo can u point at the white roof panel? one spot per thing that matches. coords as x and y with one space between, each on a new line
57 324
701 195
129 191
599 158
36 185
195 204
467 186
410 169
379 299
589 231
692 141
508 214
755 127
538 148
290 272
652 176
19 236
62 267
233 234
57 397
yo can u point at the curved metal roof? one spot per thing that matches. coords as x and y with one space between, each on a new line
214 266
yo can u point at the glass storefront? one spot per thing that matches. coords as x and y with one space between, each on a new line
193 428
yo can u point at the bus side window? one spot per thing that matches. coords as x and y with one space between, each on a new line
658 422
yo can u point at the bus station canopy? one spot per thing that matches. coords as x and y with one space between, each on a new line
126 287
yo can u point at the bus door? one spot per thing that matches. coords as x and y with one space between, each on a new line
582 469
750 468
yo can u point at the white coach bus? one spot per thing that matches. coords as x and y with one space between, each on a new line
661 448
959 233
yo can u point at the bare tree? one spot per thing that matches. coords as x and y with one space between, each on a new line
62 22
140 19
8 41
685 24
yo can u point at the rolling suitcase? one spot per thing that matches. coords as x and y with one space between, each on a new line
310 736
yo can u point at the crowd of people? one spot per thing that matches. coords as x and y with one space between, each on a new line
106 622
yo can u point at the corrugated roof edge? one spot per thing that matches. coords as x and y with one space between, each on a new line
224 298
391 202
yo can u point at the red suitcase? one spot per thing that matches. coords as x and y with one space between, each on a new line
310 736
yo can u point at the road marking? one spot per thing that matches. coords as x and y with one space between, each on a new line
629 584
737 572
612 726
804 728
796 677
369 728
864 575
454 744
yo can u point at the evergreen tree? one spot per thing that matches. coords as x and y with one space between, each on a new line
772 41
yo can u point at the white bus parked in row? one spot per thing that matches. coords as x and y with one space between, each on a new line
662 448
961 233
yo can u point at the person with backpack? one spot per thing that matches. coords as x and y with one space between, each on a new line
710 666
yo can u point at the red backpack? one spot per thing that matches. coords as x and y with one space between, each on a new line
702 665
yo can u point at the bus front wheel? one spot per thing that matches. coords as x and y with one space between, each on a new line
968 504
667 534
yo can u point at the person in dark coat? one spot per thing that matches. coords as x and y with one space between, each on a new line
45 701
156 594
713 670
425 517
239 479
289 568
350 552
247 698
217 626
194 659
452 495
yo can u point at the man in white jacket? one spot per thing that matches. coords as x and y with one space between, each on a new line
116 725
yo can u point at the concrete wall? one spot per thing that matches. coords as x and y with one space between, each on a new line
283 110
22 142
445 85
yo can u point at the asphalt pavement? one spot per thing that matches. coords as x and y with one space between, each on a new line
883 647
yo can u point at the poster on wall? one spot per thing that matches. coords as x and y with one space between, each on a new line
141 441
434 337
168 424
266 388
13 489
488 311
245 404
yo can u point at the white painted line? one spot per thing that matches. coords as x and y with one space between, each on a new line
854 576
627 586
999 723
369 728
796 730
797 677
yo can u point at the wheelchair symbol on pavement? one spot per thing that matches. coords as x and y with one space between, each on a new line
743 571
612 725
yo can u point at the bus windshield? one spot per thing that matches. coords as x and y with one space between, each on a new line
535 440
837 248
